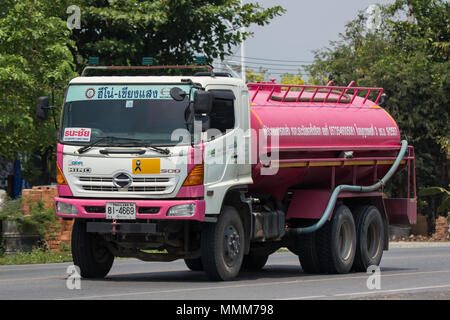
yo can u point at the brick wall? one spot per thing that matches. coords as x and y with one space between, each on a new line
62 232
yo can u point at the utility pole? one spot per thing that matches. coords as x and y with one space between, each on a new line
243 75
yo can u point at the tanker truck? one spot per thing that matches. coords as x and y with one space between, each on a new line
222 174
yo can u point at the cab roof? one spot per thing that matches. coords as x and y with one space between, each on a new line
204 81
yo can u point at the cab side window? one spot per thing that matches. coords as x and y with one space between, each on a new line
222 113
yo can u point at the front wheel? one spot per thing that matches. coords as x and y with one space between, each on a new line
222 246
254 261
194 264
93 258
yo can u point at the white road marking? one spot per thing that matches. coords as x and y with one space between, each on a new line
363 293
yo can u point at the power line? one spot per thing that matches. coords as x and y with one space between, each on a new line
276 60
283 73
255 65
269 64
271 70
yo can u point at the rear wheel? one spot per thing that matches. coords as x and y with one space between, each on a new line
336 242
194 264
93 258
370 238
304 245
222 246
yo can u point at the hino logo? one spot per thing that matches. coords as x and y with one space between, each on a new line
122 180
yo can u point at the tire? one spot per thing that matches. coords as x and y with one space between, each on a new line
222 246
93 259
370 237
307 253
336 242
254 261
194 264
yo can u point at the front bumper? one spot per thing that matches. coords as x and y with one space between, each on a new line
92 208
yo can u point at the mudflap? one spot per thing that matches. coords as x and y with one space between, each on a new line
401 210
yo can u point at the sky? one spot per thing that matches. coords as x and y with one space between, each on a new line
292 38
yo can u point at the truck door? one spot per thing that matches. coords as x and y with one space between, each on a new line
220 139
221 142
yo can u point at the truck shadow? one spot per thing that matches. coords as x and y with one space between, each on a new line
269 272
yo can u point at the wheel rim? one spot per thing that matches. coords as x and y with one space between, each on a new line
231 245
373 239
345 243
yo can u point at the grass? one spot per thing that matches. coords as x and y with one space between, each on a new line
36 256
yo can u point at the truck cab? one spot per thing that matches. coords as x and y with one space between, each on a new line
131 163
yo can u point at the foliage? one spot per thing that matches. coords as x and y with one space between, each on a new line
444 207
253 77
289 78
38 52
37 255
39 221
34 56
121 32
409 60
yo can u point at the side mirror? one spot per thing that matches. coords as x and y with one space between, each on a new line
177 94
203 102
42 108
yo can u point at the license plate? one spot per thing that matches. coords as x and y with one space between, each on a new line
121 210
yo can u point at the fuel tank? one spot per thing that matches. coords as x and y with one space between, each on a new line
312 133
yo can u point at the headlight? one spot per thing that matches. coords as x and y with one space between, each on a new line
182 210
66 208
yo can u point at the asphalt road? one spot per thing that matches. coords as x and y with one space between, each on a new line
408 271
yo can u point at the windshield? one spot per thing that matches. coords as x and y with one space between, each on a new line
143 113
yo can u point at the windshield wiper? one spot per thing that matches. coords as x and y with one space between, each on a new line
89 146
147 144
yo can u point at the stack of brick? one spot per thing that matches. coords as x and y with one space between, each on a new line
59 234
31 196
441 229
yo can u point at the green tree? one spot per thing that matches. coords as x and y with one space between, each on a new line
38 51
121 32
255 76
289 78
409 57
34 56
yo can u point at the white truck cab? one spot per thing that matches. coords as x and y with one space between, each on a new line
141 166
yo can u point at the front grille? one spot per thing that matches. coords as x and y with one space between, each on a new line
95 179
138 185
150 180
100 188
129 189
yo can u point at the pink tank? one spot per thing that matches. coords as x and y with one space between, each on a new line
321 128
